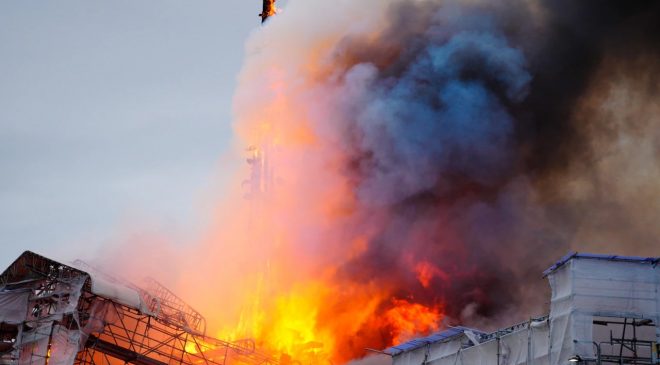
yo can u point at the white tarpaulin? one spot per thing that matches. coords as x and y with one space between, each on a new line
64 346
526 344
43 310
34 344
14 306
584 288
117 290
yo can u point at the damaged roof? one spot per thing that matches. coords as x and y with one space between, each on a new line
441 336
592 256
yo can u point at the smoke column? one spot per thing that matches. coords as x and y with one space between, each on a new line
427 160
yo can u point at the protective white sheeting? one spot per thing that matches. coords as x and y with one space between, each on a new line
115 292
34 344
65 343
583 287
34 353
430 352
100 314
39 311
14 306
40 331
528 341
64 346
68 291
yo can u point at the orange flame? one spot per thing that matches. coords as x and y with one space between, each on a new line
411 319
426 272
269 9
276 256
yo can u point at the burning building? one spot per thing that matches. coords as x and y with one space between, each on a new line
59 314
603 309
403 153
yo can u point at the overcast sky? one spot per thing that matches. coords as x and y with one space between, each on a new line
112 113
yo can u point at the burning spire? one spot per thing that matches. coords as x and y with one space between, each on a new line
268 10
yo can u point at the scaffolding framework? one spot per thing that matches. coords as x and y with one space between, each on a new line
56 314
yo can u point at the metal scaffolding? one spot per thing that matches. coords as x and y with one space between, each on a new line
56 314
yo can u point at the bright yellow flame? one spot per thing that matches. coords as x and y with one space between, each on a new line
287 324
294 327
191 348
196 345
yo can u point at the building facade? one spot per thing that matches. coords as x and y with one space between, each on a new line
603 310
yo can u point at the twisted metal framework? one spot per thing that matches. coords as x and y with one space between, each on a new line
65 321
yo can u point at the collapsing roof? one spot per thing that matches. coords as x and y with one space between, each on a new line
604 309
57 314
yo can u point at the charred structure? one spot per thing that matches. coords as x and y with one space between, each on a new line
53 313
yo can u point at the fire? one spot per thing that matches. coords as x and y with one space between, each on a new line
296 299
426 272
294 327
409 319
191 348
200 349
197 346
293 265
387 176
269 9
322 322
290 323
273 9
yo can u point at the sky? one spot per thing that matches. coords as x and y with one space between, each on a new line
114 116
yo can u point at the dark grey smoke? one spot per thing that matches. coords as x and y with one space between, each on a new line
461 122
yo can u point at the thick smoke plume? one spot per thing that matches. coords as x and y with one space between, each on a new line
419 163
